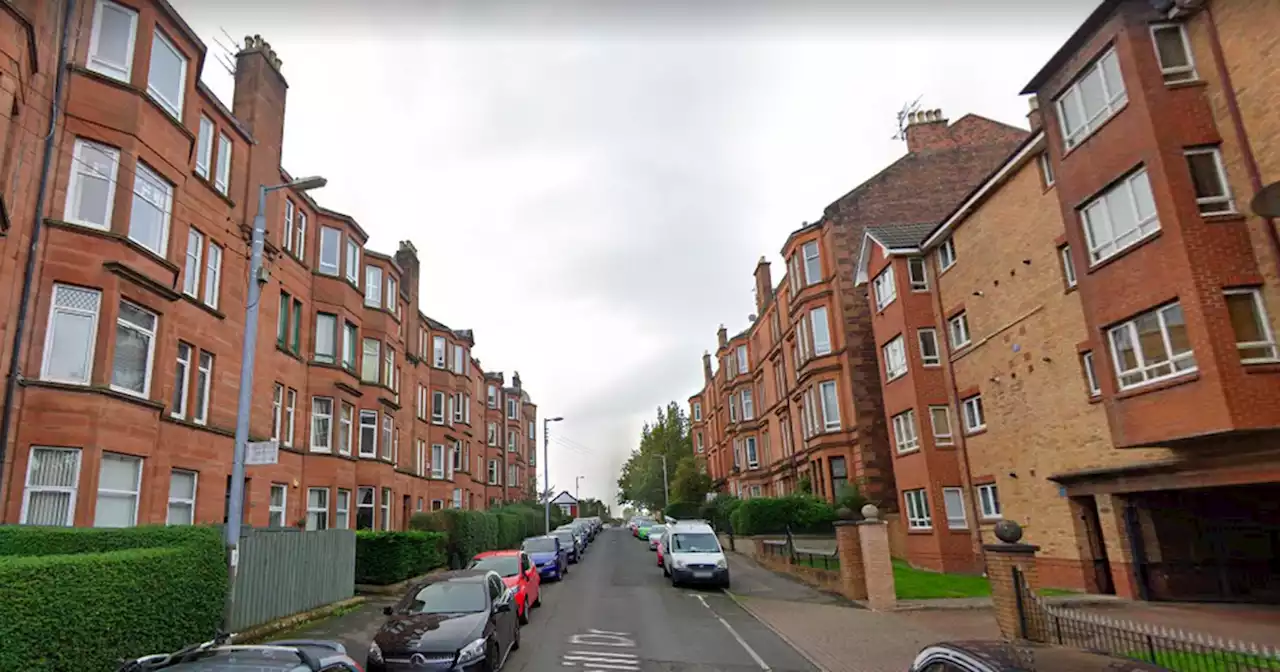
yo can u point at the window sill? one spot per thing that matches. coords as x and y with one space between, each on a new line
1223 217
891 379
1186 84
92 389
1261 367
1159 385
976 432
920 531
290 353
1095 398
1137 244
142 280
143 93
212 189
204 306
904 453
349 389
204 427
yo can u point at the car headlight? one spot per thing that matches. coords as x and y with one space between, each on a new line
678 563
471 652
721 564
375 653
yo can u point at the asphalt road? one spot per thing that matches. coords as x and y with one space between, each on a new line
615 612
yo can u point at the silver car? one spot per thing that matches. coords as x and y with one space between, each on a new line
655 535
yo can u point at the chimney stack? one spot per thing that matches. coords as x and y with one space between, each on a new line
1034 116
258 103
722 335
407 258
927 130
706 366
764 286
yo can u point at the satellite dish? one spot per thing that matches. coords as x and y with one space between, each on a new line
1267 201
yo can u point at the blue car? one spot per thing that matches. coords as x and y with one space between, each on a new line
569 543
548 555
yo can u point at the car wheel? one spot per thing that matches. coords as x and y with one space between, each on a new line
491 662
515 639
538 602
725 585
522 615
665 572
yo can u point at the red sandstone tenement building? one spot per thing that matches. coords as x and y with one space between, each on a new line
1086 344
124 393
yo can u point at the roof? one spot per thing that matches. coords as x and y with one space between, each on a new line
564 498
901 236
457 575
1020 155
436 324
497 554
1096 18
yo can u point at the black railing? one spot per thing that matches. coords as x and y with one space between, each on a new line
1176 650
818 559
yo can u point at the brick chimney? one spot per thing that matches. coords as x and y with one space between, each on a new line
706 366
764 286
722 335
258 103
1034 117
928 130
407 258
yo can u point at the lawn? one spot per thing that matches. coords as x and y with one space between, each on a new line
922 584
1186 661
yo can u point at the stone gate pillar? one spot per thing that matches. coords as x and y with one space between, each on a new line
1018 609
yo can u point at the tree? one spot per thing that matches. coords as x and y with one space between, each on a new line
691 482
641 480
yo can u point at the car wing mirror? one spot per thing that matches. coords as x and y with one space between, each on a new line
387 611
501 607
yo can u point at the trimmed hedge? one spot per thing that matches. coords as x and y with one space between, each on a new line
772 515
390 557
471 532
719 510
63 607
683 510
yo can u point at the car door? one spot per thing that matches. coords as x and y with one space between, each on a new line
501 630
533 582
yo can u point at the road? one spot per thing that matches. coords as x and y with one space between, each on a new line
615 612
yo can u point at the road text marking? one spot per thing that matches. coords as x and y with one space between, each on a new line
742 642
601 661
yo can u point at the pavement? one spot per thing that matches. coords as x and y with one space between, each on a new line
615 612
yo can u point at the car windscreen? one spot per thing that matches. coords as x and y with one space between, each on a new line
656 531
504 565
236 661
564 536
542 545
695 542
645 523
447 597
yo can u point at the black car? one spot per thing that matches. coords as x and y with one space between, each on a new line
570 542
299 655
1000 656
461 620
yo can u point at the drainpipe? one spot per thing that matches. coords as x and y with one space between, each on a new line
50 142
1237 123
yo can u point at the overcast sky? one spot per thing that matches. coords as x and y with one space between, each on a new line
589 189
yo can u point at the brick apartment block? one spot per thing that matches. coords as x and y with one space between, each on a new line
123 402
1086 344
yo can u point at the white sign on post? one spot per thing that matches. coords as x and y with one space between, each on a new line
261 452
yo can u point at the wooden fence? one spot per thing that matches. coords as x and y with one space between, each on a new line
288 571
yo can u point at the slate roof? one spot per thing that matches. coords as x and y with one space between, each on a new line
901 236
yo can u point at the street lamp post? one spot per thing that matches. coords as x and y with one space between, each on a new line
235 507
576 481
546 470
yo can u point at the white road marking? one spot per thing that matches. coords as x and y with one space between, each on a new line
598 666
610 663
605 654
603 638
742 642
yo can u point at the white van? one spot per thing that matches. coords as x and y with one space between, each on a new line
692 554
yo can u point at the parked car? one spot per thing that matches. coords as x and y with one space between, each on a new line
693 555
517 571
1001 656
661 552
459 620
590 527
642 529
579 535
293 655
570 543
654 534
548 555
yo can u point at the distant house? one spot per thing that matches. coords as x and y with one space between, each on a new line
567 503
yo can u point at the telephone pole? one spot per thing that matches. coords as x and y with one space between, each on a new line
666 493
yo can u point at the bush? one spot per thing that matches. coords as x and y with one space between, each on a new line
719 510
65 607
471 532
773 515
683 510
389 557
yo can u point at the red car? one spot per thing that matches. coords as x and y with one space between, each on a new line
518 572
660 559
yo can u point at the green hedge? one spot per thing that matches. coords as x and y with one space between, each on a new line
683 510
152 590
471 532
390 557
719 510
772 515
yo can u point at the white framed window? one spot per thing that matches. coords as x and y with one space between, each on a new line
389 368
368 433
733 408
989 497
975 418
812 264
213 276
182 381
1254 337
830 406
194 263
287 238
91 190
457 498
278 505
388 431
698 442
111 44
437 408
1090 375
300 245
342 510
455 458
895 358
182 497
821 329
493 397
71 335
369 362
953 504
392 303
53 480
119 481
1120 218
1068 268
744 362
152 205
439 348
946 255
290 406
511 409
345 421
277 410
322 424
930 355
959 328
1209 178
167 79
135 350
458 407
511 440
1096 95
449 411
459 359
905 437
353 262
917 275
330 249
420 457
1173 51
222 181
493 433
317 509
748 405
940 422
372 286
326 337
918 517
350 336
1046 169
386 509
753 456
204 381
886 289
793 273
697 411
1151 347
493 472
437 460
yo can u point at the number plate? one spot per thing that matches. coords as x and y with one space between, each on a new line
702 575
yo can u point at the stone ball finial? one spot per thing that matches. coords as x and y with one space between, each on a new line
844 513
1008 531
870 512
